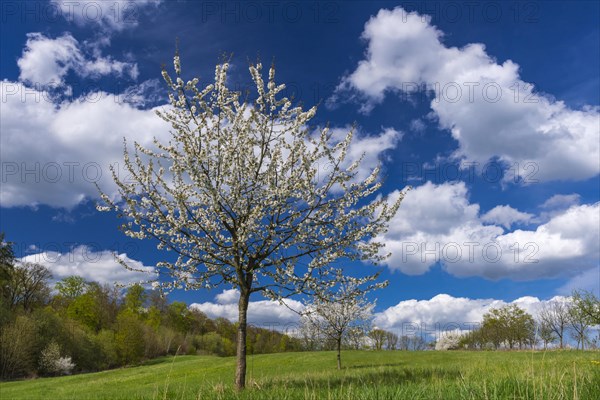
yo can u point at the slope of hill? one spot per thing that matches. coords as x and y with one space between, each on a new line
366 375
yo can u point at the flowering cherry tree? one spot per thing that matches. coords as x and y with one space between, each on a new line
449 340
240 196
336 316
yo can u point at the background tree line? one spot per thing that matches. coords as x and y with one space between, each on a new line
510 327
83 326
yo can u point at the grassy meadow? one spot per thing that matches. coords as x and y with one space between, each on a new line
312 375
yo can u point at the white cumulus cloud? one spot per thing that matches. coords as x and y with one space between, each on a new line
98 266
438 223
46 61
588 280
54 153
266 313
489 110
561 201
444 313
506 216
228 296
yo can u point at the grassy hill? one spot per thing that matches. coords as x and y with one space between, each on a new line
366 375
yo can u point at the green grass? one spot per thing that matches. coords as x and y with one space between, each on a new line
366 375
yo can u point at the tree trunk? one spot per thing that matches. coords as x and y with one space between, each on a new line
240 372
339 354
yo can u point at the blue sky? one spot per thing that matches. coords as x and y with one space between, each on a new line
499 137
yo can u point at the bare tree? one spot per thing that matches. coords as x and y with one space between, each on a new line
546 333
555 315
333 316
404 342
355 337
416 343
391 340
309 337
239 197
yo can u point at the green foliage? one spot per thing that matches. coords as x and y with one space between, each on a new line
98 327
26 286
71 286
179 316
7 261
135 298
508 326
129 337
213 343
108 347
225 328
588 306
85 349
154 317
152 342
86 310
50 327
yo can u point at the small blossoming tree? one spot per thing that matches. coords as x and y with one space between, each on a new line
237 196
51 363
337 315
449 340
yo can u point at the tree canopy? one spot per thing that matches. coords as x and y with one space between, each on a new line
247 194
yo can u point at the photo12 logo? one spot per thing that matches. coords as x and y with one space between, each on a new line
476 11
71 252
71 172
468 171
324 12
50 172
118 12
470 252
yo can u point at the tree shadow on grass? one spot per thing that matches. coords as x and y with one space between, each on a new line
393 376
398 364
163 360
156 361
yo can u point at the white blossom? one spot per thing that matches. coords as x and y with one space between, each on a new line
239 194
449 340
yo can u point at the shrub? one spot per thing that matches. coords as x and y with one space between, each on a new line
51 363
17 356
106 341
64 366
129 338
